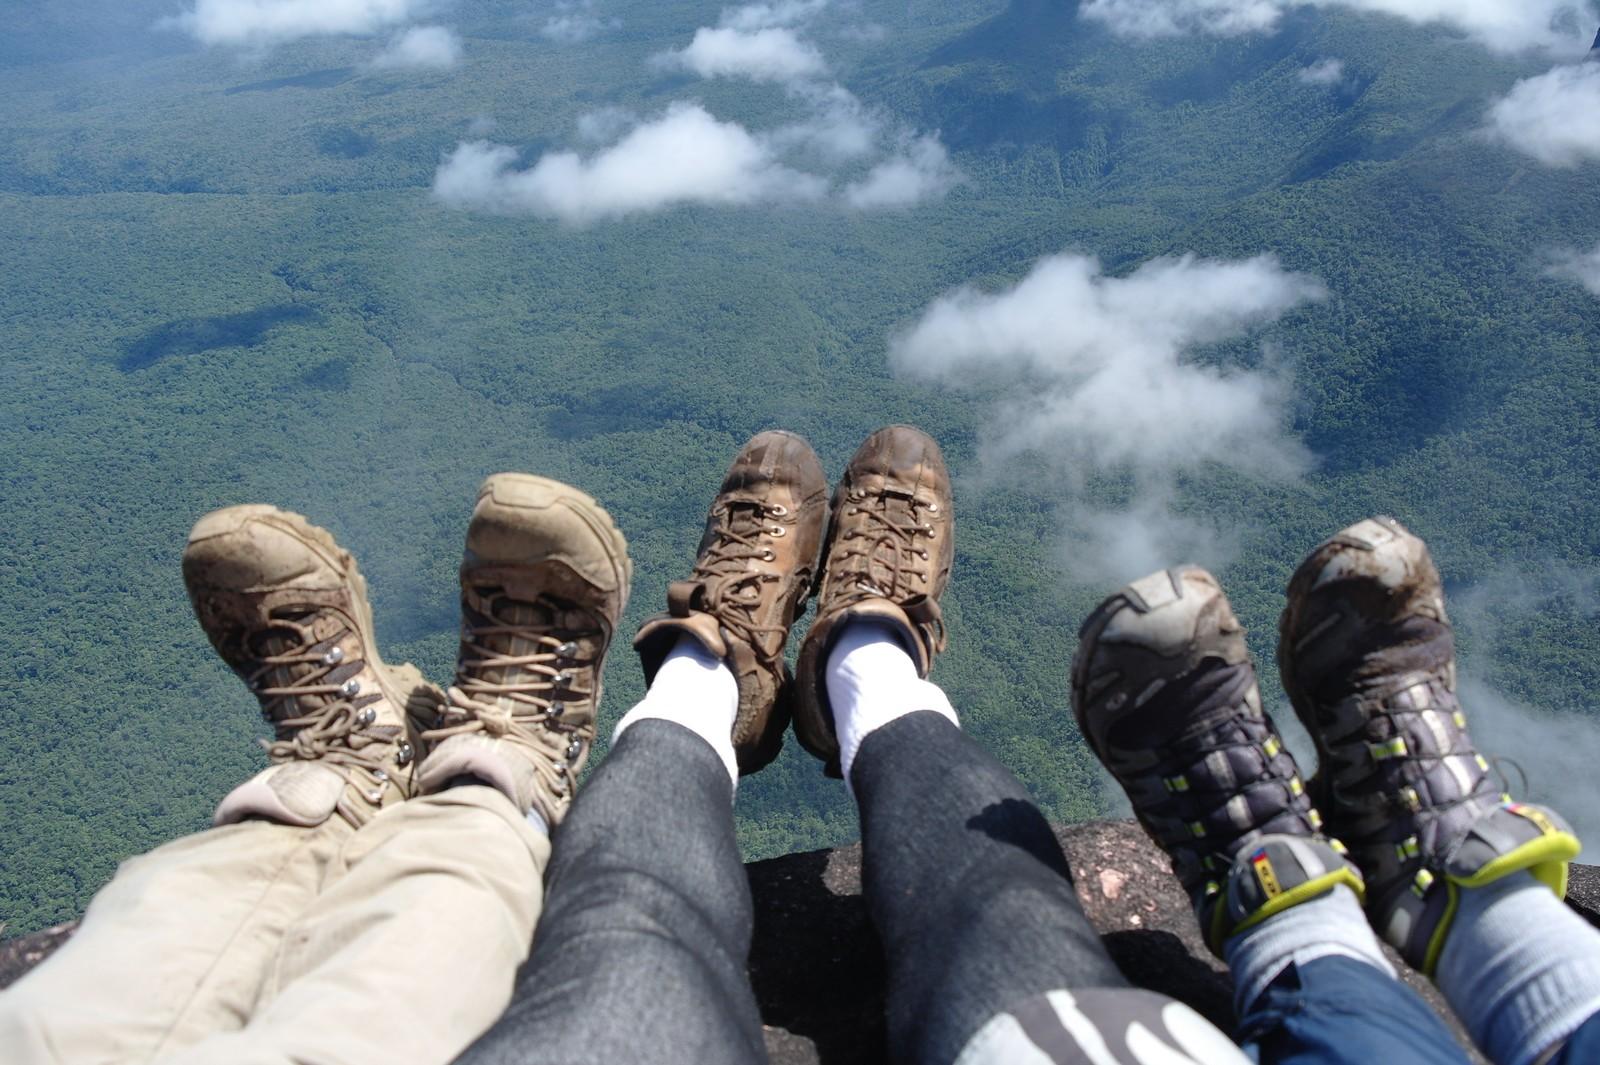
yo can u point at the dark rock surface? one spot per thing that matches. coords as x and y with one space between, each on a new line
815 961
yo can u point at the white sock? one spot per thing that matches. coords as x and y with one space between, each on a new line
540 825
872 680
696 689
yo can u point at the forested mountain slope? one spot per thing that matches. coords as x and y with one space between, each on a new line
229 277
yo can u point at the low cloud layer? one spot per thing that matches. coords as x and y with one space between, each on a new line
1554 118
576 21
776 13
685 156
772 54
1323 72
920 171
836 149
421 48
1501 25
1097 377
1582 267
266 22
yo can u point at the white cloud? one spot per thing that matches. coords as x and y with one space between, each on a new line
772 54
840 127
1554 117
1558 753
422 47
836 149
766 15
1582 267
685 156
923 171
263 22
1323 72
576 22
1094 375
1502 25
605 125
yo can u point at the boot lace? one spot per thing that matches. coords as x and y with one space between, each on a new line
891 535
309 693
527 702
733 588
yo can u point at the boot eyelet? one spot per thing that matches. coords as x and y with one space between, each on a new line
777 510
404 754
768 556
350 687
567 650
777 530
574 750
333 657
933 508
367 717
564 678
557 709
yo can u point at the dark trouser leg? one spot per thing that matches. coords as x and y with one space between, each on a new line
1339 1011
640 953
967 886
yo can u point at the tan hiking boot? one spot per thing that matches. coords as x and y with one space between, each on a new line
889 549
544 578
755 567
286 608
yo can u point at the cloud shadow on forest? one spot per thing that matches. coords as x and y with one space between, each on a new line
192 336
317 79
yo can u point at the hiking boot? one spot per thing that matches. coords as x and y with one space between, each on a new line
755 567
286 608
1368 660
544 578
1165 693
890 543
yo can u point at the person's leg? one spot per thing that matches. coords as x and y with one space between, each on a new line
176 946
1520 968
967 887
1459 876
1164 690
990 956
432 903
179 943
641 951
1312 987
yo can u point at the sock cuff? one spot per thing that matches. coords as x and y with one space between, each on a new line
1332 925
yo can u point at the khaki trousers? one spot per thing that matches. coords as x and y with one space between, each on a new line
263 944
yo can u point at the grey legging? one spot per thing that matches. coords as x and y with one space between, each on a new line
640 953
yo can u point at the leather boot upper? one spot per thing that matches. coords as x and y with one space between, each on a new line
287 609
755 567
889 550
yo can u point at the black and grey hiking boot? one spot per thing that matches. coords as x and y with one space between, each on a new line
1368 660
1164 691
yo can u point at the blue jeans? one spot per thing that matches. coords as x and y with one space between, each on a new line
1339 1011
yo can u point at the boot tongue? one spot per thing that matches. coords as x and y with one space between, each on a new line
280 640
530 617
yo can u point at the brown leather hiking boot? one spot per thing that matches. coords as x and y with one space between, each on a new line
889 549
754 571
544 578
287 609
